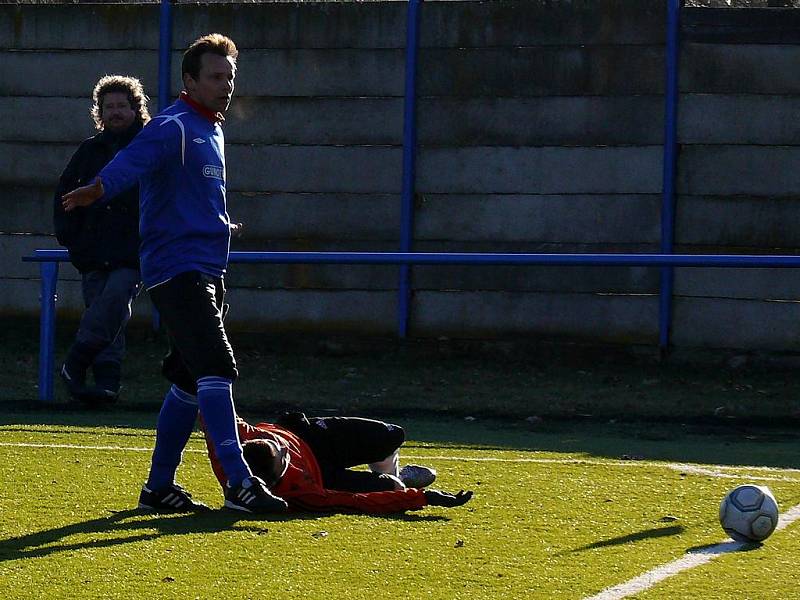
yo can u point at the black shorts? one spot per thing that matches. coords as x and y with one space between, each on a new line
339 443
191 306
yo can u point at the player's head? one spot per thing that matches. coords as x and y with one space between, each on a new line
208 70
118 101
266 459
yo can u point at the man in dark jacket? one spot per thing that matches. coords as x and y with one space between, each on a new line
103 243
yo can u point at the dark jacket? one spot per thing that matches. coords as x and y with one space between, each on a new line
99 238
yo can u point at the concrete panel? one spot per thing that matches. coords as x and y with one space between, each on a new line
748 284
578 219
545 170
31 73
363 169
739 170
537 121
21 297
446 170
57 27
528 219
524 71
541 71
583 317
738 119
748 324
339 24
739 221
579 280
32 119
14 247
316 217
740 69
24 164
27 210
309 121
349 121
361 312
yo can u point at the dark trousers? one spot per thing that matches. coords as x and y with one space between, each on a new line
108 297
339 443
192 307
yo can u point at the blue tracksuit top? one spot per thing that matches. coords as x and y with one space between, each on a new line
178 160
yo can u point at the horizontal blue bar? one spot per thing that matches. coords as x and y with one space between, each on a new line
469 258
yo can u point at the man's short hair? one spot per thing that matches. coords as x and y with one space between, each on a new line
215 43
123 84
265 459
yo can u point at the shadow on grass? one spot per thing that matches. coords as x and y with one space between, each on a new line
655 532
131 526
705 443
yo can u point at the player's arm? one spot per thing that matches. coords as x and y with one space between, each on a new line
374 503
152 147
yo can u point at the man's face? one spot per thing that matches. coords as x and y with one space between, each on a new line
116 112
213 87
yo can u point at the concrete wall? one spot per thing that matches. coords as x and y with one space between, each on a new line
540 130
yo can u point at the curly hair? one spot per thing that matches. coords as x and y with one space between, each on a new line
130 86
215 43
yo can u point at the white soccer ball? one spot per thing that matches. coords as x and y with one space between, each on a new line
749 513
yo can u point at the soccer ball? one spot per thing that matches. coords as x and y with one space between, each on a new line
749 513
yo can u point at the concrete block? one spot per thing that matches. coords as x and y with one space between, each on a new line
739 69
547 170
575 317
28 164
778 284
739 170
746 324
738 119
27 210
743 223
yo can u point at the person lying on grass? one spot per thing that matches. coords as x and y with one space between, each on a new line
307 462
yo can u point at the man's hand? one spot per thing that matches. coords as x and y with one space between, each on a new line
237 229
83 196
437 498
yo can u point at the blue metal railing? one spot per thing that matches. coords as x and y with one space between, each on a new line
409 163
49 260
670 168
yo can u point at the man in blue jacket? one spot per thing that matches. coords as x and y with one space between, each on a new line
103 242
178 160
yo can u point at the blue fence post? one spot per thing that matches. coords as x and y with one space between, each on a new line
409 163
670 167
47 330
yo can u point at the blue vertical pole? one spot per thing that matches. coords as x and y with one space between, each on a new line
409 162
164 55
47 330
670 168
164 76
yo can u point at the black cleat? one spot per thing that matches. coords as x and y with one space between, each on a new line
253 496
172 499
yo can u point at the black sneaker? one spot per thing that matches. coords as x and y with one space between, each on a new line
252 496
172 498
74 380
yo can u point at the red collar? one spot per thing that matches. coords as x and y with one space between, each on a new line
211 116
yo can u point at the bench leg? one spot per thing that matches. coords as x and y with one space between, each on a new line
47 330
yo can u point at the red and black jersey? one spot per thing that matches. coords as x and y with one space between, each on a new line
302 487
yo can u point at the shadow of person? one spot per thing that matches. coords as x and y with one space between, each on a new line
655 532
128 526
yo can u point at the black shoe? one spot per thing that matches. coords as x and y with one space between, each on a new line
252 496
75 381
172 498
107 376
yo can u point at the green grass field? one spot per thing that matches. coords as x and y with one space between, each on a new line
558 513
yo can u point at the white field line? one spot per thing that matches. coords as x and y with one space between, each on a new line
718 471
689 560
